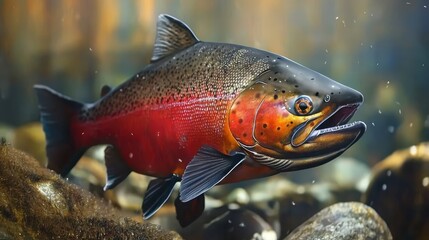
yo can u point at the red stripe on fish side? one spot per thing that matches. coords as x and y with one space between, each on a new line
160 141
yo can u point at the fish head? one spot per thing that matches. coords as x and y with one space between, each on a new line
292 117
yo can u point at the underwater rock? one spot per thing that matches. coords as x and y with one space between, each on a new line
296 208
238 195
350 220
202 227
285 204
290 204
35 203
130 192
30 138
238 223
271 188
399 192
90 175
6 132
343 172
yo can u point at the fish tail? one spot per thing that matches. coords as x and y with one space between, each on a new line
56 113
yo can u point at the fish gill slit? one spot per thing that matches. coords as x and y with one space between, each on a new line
254 120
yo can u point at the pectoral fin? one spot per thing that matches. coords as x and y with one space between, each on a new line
158 192
205 170
117 170
188 212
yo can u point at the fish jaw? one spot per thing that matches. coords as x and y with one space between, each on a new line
326 144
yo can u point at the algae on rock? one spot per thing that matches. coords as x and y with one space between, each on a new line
35 203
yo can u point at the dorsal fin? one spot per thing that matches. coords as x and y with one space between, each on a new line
172 35
105 90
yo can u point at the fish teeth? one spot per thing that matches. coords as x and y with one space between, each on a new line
332 129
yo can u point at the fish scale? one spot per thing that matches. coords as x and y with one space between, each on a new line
183 79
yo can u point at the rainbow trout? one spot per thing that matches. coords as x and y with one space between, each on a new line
204 114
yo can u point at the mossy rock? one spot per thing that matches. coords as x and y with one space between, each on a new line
399 192
346 221
35 203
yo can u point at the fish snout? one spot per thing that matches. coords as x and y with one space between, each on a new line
343 96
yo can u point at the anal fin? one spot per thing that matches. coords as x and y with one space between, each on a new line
188 212
205 170
157 193
117 170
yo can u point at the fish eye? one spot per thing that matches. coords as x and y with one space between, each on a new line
303 105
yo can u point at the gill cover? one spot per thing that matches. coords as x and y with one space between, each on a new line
259 121
257 117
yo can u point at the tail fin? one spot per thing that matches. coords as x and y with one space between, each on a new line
56 112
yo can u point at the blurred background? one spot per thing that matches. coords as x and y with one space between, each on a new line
380 48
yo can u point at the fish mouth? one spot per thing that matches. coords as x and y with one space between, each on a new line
329 139
338 122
